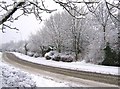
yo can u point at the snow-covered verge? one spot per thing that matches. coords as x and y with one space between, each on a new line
82 66
12 77
15 77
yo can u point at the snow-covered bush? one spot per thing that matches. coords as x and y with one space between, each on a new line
30 54
36 55
53 55
48 57
67 58
56 58
15 78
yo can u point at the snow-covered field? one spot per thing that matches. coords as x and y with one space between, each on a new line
11 76
73 65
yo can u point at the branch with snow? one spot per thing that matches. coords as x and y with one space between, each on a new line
26 6
5 17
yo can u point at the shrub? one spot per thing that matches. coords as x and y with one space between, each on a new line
36 55
56 58
66 58
48 57
51 55
30 54
111 57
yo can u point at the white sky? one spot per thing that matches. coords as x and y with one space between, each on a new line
26 25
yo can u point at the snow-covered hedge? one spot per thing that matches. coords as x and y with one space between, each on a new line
53 55
30 54
36 55
33 54
67 58
15 78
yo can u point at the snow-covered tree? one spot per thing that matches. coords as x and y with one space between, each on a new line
36 7
57 30
68 32
102 16
39 42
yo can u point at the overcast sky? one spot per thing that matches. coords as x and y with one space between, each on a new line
26 25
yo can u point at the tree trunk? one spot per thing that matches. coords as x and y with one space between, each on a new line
119 30
26 50
42 50
59 48
75 48
104 36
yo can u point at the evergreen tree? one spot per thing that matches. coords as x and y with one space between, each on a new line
111 57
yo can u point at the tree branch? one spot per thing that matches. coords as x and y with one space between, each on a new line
44 9
110 12
4 25
10 12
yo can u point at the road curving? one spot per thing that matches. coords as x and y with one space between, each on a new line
98 77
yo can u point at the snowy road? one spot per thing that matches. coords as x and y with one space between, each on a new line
14 75
53 76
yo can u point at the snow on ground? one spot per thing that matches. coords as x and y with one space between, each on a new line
73 65
11 76
0 72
